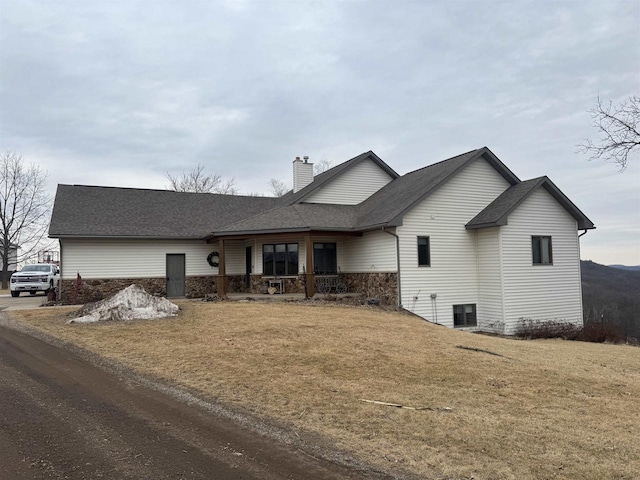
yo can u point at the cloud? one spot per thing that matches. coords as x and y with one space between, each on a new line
122 92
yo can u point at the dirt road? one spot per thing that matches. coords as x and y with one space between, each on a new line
63 418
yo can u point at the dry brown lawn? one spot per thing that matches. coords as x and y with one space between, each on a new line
552 409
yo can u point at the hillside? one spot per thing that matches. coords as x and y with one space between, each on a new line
475 406
612 294
627 267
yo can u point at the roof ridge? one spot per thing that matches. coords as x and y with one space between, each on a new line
142 189
541 177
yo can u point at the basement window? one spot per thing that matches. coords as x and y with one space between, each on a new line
464 315
541 251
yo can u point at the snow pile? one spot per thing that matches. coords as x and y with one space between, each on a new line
132 303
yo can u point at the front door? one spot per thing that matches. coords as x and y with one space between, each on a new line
175 275
248 261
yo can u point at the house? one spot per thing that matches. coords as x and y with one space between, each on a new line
463 242
12 263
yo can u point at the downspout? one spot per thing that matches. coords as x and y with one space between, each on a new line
580 283
397 263
60 277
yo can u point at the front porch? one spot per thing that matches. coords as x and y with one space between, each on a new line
302 264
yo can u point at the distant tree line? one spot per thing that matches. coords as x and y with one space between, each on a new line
611 296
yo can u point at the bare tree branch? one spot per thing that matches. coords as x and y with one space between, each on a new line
24 210
197 181
322 166
619 129
278 187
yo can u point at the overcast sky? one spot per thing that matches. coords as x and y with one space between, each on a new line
121 92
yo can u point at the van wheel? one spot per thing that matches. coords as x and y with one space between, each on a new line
15 294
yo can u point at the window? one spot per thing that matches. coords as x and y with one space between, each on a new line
280 259
325 259
464 315
424 253
541 250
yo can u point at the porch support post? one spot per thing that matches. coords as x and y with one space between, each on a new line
310 278
221 281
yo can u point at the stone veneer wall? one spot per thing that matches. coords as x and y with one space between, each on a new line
236 284
383 286
92 290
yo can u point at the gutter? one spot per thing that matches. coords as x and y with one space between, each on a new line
398 263
583 233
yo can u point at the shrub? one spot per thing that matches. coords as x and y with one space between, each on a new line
592 332
533 329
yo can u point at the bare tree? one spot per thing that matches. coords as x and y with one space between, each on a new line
619 129
278 187
322 166
198 181
24 209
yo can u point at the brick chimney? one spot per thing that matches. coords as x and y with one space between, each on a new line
302 173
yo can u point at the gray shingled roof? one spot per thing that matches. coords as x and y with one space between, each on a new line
124 212
389 204
497 212
384 208
81 210
297 217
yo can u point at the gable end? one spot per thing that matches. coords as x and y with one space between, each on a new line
482 153
325 177
498 211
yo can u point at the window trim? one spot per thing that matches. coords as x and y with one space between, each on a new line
541 262
428 238
286 263
464 313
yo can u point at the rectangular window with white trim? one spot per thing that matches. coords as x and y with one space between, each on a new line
541 251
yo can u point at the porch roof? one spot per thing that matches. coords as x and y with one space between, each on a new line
300 217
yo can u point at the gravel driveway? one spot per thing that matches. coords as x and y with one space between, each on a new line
24 302
64 418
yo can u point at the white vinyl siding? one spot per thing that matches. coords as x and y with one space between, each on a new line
235 257
353 186
490 306
98 258
373 252
453 274
541 292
